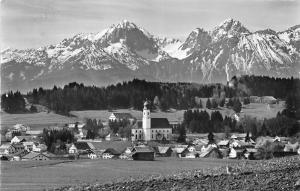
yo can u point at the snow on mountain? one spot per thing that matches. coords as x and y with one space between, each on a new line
125 50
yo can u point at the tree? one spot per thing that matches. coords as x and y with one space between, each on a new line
33 109
214 104
222 102
210 138
246 101
208 104
237 106
229 103
182 134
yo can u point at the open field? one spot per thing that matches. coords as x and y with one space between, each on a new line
32 175
35 120
44 119
257 110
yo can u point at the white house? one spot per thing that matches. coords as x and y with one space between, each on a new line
18 139
73 149
120 117
39 148
151 128
28 145
35 156
7 149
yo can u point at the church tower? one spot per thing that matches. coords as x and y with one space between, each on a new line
147 121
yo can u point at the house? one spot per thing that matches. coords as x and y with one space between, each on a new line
18 139
250 153
211 152
39 147
268 100
19 147
289 147
72 149
21 127
112 137
34 133
110 153
121 117
7 149
163 151
35 156
29 145
177 150
223 144
143 153
236 153
189 152
92 155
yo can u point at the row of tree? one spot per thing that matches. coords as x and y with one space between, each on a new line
196 121
13 102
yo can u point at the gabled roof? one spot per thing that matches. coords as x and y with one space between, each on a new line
142 149
111 151
123 115
162 150
156 123
210 150
119 146
159 123
32 155
84 146
5 146
223 143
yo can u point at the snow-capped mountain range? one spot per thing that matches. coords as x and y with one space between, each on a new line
126 51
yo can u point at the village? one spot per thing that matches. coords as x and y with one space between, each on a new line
150 138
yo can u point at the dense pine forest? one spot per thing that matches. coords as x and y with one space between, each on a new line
131 94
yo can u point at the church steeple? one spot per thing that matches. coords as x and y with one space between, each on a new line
146 121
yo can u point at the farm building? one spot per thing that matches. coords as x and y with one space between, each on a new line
121 117
250 153
72 149
212 152
18 139
110 153
19 147
38 147
143 153
29 145
163 151
223 144
35 156
7 149
177 150
189 152
236 153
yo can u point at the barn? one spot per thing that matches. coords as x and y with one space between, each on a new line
143 153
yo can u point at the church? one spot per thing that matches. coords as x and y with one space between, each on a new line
151 128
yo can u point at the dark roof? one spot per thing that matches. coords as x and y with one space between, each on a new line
159 123
32 155
83 146
156 123
123 115
112 151
119 146
142 149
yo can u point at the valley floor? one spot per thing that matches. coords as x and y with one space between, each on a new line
33 175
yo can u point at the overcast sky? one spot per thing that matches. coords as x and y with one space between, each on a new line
36 23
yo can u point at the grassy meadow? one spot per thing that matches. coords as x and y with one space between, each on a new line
33 175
